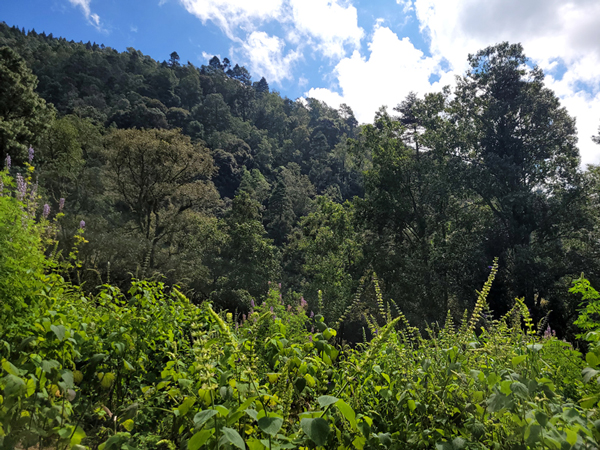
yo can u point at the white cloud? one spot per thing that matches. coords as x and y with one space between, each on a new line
92 18
394 68
326 26
133 29
231 15
267 57
329 23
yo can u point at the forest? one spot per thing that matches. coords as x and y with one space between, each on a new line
190 260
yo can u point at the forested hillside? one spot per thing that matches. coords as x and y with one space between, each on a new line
189 260
204 178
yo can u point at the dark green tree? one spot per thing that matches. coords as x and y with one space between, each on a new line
24 115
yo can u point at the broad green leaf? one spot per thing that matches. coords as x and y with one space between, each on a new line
326 400
535 347
201 417
412 405
300 384
186 405
59 331
270 425
458 443
571 436
588 373
128 424
347 412
359 442
77 436
592 359
252 413
541 417
234 438
316 429
10 368
199 439
518 360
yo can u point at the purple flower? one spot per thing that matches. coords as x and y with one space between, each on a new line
312 314
312 330
33 192
303 302
271 309
21 187
310 338
7 162
82 224
61 204
264 304
289 308
269 282
46 212
279 285
1 187
252 302
243 318
31 152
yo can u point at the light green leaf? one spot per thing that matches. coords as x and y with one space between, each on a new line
326 400
199 439
186 405
518 360
316 429
234 438
201 418
59 331
270 425
128 424
348 413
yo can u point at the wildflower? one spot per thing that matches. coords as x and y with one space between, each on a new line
1 187
21 187
252 302
243 318
303 302
549 333
279 285
61 204
271 309
289 308
31 152
7 162
310 338
33 192
312 330
82 224
312 314
46 212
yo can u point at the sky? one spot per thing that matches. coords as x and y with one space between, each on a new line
365 53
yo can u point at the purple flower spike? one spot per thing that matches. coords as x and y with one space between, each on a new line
46 212
271 309
303 302
279 285
312 314
82 224
7 162
61 204
1 187
252 302
31 152
21 187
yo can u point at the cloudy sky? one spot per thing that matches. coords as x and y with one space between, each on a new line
365 53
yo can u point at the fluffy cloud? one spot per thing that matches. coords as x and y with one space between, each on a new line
325 26
394 68
233 15
267 57
92 18
330 24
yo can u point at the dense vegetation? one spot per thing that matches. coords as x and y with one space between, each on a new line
240 250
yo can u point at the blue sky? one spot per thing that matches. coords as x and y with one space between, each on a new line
363 53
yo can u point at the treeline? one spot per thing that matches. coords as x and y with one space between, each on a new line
218 184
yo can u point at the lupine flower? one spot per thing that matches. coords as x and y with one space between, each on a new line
269 282
1 187
7 162
243 318
303 302
33 192
82 224
312 314
252 302
279 285
289 308
31 152
271 309
264 304
549 333
21 187
46 212
312 329
61 204
310 338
